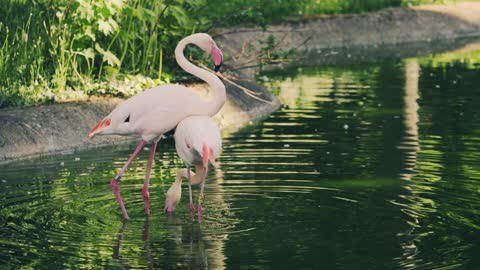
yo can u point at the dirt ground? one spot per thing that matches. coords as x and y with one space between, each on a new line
466 11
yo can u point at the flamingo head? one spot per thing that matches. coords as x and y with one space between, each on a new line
104 125
118 121
217 57
207 44
170 205
174 194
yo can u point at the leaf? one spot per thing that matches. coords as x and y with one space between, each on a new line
114 6
113 24
144 14
149 14
85 10
99 49
89 33
89 53
105 27
108 56
111 59
180 16
129 11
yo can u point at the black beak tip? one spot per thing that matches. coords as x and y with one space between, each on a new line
217 67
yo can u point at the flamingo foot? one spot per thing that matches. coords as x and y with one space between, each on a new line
199 212
146 196
114 185
192 210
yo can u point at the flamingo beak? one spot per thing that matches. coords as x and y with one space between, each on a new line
205 155
98 128
217 57
211 157
169 207
171 204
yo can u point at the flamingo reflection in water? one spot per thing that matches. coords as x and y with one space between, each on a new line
194 253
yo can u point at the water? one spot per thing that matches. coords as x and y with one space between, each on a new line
365 166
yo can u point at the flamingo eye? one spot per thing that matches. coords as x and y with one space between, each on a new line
188 145
127 120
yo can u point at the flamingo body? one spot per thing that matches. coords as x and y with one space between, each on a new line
198 141
195 133
159 105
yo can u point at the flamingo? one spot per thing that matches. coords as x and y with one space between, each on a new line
159 109
198 142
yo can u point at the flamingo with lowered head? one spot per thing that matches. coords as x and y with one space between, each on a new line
158 110
198 142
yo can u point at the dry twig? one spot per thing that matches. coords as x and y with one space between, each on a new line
247 91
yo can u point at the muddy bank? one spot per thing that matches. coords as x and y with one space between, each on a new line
57 128
346 37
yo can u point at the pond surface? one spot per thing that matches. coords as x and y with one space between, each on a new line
364 166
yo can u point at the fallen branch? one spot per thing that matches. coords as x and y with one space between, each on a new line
244 89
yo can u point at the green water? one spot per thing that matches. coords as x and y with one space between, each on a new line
365 166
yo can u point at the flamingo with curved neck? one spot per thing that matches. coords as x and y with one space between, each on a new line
198 142
158 110
215 103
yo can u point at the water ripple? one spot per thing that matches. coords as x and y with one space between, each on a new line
370 167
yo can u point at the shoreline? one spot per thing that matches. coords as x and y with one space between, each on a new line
328 39
27 132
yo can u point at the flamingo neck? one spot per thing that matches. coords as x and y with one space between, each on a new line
199 173
218 96
180 173
195 177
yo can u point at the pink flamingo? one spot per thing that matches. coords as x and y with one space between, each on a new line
198 141
159 109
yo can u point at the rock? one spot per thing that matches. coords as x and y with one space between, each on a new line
46 129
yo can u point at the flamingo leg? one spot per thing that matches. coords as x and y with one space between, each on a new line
201 197
192 208
205 157
145 193
116 179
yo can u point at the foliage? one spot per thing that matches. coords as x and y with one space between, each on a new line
52 47
52 50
